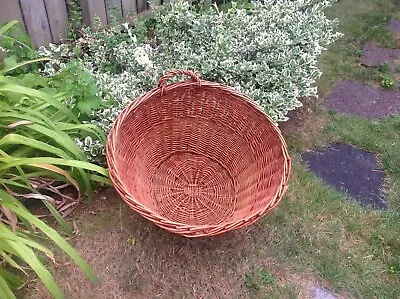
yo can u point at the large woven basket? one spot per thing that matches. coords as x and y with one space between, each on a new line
197 158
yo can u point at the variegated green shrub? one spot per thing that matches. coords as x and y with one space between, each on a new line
266 49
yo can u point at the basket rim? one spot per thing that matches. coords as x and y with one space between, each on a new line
164 222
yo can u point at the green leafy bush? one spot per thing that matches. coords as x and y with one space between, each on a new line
37 142
268 50
46 129
38 152
75 19
79 87
386 80
17 45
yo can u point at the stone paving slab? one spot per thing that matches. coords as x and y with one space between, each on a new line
356 98
375 56
350 170
318 292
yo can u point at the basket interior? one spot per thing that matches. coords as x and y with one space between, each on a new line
199 156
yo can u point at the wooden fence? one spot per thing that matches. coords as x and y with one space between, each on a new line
46 21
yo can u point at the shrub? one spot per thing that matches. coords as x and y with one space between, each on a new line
38 158
268 50
38 153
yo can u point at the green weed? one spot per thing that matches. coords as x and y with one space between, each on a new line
263 284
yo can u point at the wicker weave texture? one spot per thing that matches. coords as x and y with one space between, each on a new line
197 158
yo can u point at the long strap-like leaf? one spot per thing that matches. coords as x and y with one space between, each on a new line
5 291
4 71
6 27
7 200
15 88
22 140
27 254
12 162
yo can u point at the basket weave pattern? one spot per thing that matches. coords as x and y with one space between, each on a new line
197 158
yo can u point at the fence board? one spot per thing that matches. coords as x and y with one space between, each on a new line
11 11
114 9
58 18
92 9
128 7
47 20
36 22
141 5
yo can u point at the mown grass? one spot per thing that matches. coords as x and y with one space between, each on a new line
260 280
353 250
359 21
316 230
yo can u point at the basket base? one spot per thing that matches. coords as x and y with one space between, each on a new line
193 189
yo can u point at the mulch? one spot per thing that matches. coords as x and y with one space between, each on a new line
394 27
355 98
374 56
350 170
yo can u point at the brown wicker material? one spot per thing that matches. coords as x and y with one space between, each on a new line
197 158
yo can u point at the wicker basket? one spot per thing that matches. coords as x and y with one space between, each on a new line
197 158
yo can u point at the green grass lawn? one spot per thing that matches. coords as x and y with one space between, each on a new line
360 21
355 251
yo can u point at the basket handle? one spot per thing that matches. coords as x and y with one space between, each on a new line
163 80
